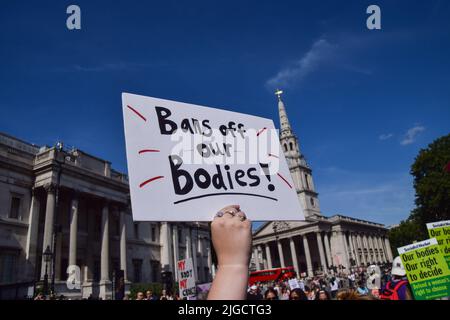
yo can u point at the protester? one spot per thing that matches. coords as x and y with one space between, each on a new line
298 294
350 294
150 296
322 295
334 287
270 294
362 289
398 287
140 295
284 294
254 294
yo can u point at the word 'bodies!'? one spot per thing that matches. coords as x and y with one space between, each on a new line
185 162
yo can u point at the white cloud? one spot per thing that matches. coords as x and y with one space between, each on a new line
320 51
385 136
411 135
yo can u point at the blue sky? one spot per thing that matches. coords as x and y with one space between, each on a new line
363 103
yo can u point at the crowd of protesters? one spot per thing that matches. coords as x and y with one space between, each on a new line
355 284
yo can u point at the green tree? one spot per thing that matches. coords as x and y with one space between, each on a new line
405 233
432 182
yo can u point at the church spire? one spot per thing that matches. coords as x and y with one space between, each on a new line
285 126
300 171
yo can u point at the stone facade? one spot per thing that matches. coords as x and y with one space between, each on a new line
319 243
78 206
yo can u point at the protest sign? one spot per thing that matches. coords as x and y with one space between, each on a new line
293 284
441 231
426 270
186 279
186 162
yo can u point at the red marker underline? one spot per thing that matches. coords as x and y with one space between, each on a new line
284 180
148 150
136 112
150 180
260 131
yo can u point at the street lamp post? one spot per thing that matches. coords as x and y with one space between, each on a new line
47 258
58 149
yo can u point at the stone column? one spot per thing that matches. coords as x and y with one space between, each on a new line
175 250
188 243
269 258
307 257
104 263
264 261
328 249
194 254
355 248
210 264
256 257
73 230
165 249
361 246
351 249
366 245
382 251
280 253
123 244
294 255
48 227
200 259
346 255
32 235
321 253
374 249
388 249
104 254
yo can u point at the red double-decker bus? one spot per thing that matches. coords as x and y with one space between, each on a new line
276 274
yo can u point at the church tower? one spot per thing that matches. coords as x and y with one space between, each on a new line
300 171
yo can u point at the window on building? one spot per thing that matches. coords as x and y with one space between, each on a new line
117 226
291 146
312 201
98 226
7 267
155 270
15 207
96 271
285 147
136 230
306 181
206 270
137 270
180 235
153 233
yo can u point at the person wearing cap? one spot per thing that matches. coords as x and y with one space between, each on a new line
253 293
398 287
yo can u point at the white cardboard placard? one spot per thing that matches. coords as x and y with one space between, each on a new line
162 161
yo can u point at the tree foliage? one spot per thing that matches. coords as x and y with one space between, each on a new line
432 182
432 185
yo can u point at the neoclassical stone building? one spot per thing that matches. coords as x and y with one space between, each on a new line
318 243
78 206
